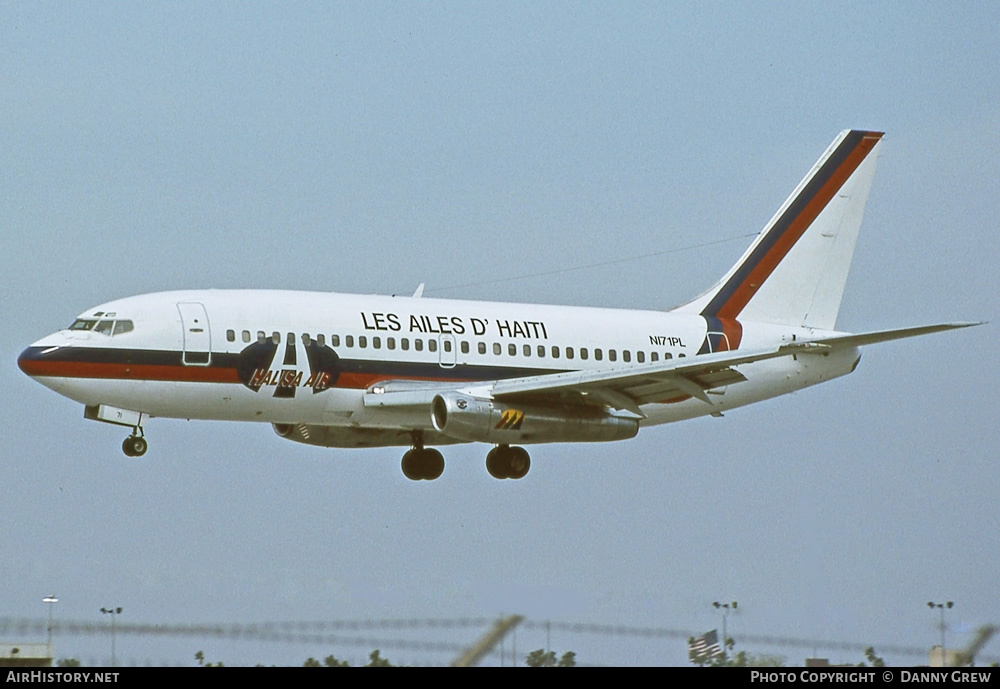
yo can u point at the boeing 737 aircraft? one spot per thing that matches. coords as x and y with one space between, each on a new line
341 370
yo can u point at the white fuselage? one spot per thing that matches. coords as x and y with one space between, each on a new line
244 355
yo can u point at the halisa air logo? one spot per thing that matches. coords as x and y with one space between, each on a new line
259 366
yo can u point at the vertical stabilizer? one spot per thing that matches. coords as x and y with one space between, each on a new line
795 271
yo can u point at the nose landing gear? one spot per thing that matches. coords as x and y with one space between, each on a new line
135 445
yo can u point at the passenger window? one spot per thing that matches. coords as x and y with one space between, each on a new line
418 345
246 335
447 345
291 338
276 337
362 341
334 340
626 356
306 339
527 350
654 356
321 340
376 343
541 351
481 347
640 357
496 349
555 352
348 340
569 352
261 337
681 355
512 349
583 352
104 327
390 342
465 347
432 345
612 355
230 336
667 355
405 344
122 327
599 354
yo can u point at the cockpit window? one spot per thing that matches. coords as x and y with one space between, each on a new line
103 327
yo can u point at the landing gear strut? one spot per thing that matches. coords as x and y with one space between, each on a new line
504 461
135 445
420 463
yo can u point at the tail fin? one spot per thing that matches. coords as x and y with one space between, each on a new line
795 271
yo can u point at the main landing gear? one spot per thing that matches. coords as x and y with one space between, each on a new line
420 463
135 445
426 464
504 461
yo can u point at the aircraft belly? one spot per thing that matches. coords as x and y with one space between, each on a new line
191 400
360 416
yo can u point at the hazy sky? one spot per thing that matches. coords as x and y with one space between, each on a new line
368 147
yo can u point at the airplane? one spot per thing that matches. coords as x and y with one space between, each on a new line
354 371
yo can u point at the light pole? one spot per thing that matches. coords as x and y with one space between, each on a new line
114 612
725 608
941 607
51 600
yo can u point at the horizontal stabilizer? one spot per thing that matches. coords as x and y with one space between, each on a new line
883 335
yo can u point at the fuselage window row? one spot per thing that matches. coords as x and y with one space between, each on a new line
349 341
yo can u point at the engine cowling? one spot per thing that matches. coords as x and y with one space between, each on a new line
285 430
473 419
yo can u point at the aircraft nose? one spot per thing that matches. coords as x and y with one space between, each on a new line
34 360
24 361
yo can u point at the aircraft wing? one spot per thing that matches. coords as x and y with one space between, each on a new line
628 387
621 388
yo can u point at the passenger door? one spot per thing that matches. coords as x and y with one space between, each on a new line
197 336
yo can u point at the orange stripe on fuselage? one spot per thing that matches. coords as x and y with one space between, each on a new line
361 381
182 374
82 369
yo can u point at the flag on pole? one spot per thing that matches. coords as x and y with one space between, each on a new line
705 646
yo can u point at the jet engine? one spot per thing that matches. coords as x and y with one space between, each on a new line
472 419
